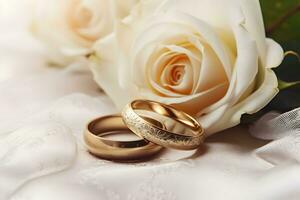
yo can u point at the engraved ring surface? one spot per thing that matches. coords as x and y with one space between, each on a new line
189 139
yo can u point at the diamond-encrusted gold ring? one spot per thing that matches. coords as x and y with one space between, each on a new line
188 137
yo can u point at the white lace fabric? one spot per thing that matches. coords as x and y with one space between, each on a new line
43 112
285 131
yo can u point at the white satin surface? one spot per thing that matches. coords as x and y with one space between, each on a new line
43 112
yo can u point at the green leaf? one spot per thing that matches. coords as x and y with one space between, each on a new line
282 19
282 85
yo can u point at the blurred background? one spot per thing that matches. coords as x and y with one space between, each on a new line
282 22
15 56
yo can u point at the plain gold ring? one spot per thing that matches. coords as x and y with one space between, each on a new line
116 150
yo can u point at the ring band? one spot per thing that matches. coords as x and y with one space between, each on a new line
189 139
116 150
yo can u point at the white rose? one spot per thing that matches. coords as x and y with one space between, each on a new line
71 27
210 58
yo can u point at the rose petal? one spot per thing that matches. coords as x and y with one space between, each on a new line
70 28
212 72
106 72
160 32
246 66
186 84
218 17
150 38
124 7
256 101
274 55
190 103
209 36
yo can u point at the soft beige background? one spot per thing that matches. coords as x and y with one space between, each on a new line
43 112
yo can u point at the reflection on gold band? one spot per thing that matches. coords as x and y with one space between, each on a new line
116 150
189 138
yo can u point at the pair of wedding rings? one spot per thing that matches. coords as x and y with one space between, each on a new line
158 125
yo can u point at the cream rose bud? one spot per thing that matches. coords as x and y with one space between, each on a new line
210 58
71 27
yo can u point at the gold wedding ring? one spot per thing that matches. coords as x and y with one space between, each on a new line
116 150
189 138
